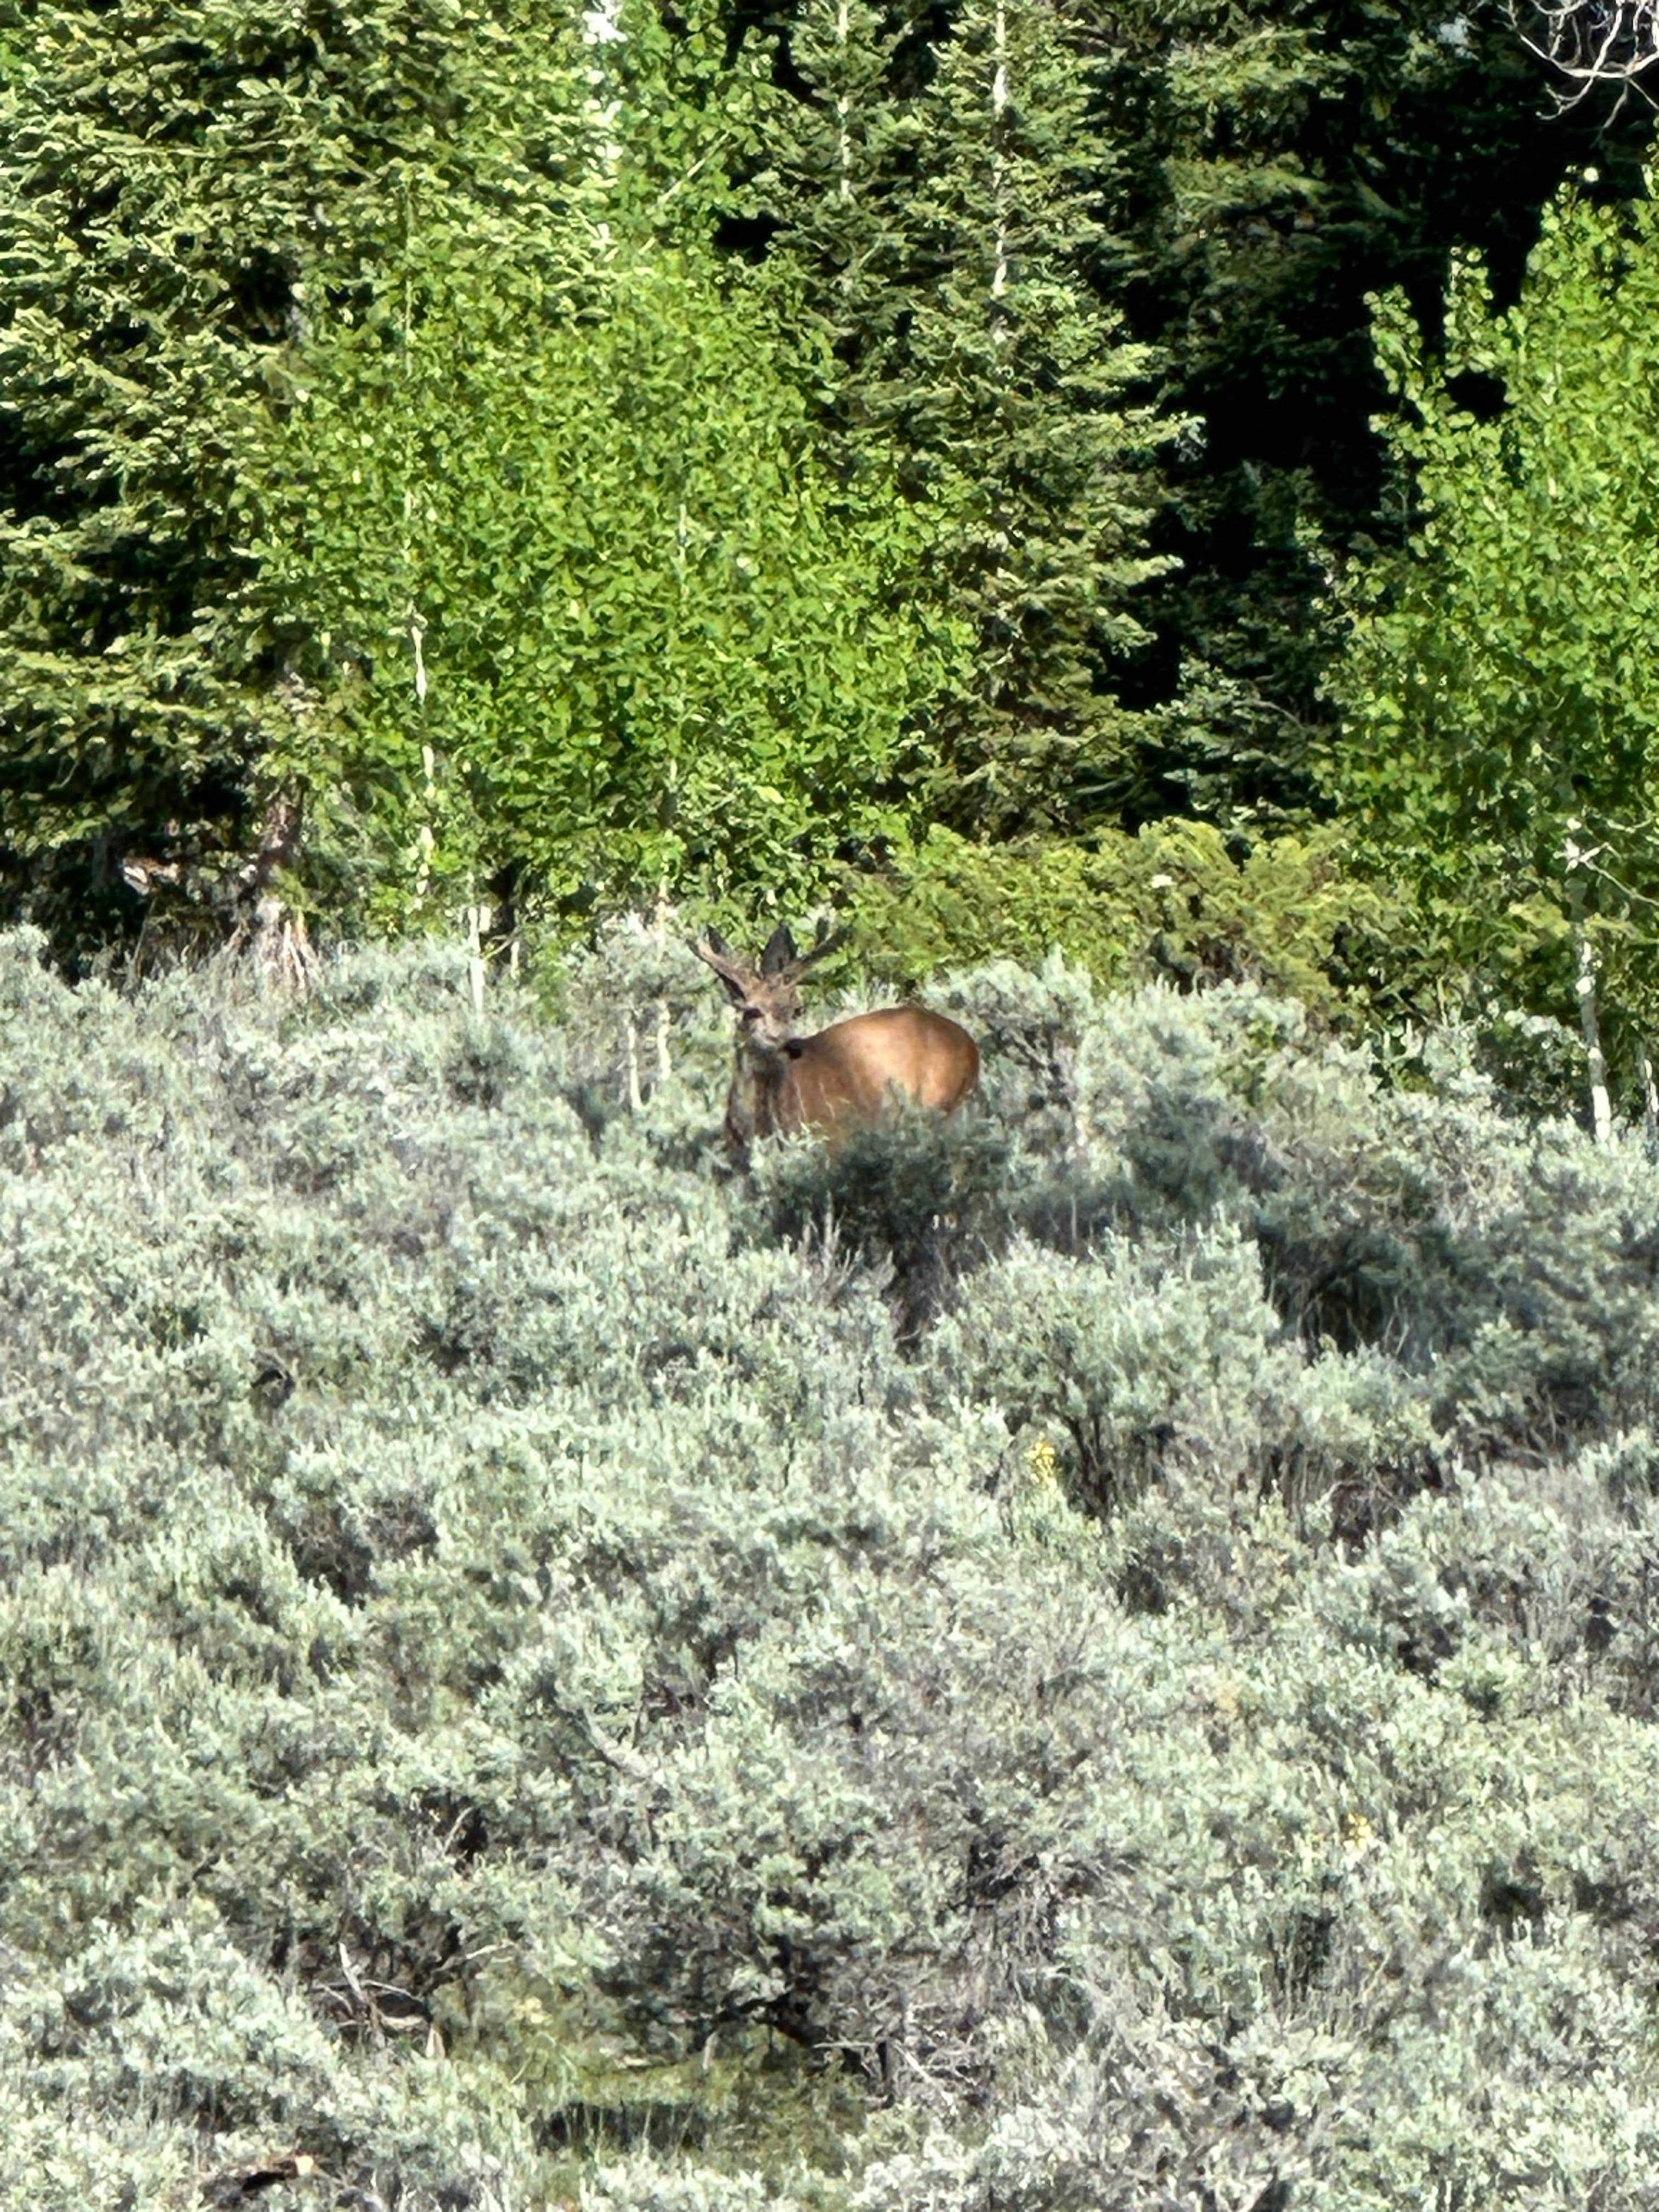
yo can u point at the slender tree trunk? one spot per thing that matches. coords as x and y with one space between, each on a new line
476 922
275 936
1649 1103
1601 1104
998 179
844 105
427 840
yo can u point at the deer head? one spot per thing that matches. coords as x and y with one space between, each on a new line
766 997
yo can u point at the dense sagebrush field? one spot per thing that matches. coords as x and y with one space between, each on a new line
1109 1658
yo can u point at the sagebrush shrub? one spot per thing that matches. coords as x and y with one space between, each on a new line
522 1678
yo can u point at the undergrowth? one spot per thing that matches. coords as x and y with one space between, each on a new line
1104 1654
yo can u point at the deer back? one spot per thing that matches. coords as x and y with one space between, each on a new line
856 1070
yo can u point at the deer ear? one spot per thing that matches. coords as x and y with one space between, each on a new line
779 953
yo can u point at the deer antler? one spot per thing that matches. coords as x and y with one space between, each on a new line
824 942
780 962
712 949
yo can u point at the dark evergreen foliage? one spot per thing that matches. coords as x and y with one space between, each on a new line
1088 294
945 225
1239 188
177 179
1284 164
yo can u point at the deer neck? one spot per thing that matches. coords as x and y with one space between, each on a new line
755 1105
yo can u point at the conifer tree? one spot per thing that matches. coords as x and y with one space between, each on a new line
948 236
837 168
180 180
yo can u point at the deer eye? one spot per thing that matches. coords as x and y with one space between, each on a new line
750 1014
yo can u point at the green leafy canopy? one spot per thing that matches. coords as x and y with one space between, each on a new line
585 605
1499 688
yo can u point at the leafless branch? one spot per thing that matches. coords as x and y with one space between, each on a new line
1591 42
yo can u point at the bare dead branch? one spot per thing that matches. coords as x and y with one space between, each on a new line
1591 43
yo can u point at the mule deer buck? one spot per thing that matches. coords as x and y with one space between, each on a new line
844 1077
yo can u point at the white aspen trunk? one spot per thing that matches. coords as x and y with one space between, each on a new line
602 28
999 177
417 619
425 842
1601 1104
660 924
1650 1101
844 105
635 1096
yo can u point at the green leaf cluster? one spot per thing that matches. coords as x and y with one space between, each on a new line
1501 746
584 611
1174 901
1272 166
523 460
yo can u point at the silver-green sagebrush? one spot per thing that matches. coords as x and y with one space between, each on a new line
520 1683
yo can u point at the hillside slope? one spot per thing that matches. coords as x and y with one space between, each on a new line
530 1674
